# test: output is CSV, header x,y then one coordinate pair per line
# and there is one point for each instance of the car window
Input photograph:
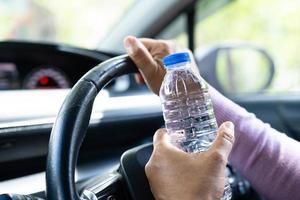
x,y
272,25
81,23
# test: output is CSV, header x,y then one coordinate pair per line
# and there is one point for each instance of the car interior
x,y
75,123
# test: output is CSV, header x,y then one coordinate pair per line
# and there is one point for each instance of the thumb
x,y
160,138
224,140
139,54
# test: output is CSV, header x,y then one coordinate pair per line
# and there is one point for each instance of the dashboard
x,y
28,105
28,72
25,65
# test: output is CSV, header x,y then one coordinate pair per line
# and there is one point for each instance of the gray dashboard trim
x,y
106,109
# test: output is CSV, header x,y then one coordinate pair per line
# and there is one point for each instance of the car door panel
x,y
281,112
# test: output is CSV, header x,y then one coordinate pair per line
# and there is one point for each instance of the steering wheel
x,y
68,132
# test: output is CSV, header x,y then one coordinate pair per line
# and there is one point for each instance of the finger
x,y
162,142
224,140
139,54
148,42
139,79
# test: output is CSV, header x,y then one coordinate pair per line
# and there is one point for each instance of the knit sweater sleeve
x,y
270,160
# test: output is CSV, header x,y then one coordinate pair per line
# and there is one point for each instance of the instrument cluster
x,y
37,77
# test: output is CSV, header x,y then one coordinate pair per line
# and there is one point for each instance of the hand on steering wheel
x,y
147,54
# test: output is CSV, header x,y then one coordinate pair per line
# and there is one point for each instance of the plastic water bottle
x,y
187,108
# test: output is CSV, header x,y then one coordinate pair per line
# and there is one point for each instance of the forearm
x,y
268,159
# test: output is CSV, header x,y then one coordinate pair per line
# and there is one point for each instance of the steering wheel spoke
x,y
104,187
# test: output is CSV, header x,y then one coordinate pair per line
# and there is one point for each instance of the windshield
x,y
80,23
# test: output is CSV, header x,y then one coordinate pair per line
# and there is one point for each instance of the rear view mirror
x,y
237,68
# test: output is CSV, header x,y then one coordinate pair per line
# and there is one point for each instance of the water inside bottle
x,y
188,113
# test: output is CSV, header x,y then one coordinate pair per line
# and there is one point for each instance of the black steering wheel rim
x,y
71,124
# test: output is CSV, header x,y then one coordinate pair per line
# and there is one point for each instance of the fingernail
x,y
128,46
132,44
229,125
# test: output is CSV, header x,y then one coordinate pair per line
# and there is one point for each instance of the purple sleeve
x,y
267,158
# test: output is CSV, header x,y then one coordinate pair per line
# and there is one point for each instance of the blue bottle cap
x,y
176,58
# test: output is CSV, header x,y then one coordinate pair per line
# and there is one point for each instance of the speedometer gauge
x,y
46,78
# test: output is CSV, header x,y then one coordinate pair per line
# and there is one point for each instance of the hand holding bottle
x,y
176,175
